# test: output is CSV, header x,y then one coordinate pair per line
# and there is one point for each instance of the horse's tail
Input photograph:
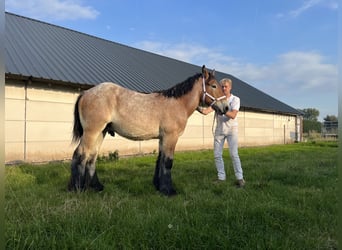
x,y
77,130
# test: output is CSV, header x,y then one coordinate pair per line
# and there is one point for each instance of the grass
x,y
289,202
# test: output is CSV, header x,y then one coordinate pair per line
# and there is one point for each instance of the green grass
x,y
289,202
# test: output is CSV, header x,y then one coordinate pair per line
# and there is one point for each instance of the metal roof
x,y
45,51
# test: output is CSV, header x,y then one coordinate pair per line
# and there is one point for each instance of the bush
x,y
312,126
112,156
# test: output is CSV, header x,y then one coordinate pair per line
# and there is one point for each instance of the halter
x,y
205,93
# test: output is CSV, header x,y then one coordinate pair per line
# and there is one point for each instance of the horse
x,y
110,108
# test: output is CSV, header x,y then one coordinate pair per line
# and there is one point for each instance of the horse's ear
x,y
205,72
213,72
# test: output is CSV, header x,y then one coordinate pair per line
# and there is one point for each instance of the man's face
x,y
226,88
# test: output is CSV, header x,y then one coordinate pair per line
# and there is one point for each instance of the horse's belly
x,y
138,132
139,137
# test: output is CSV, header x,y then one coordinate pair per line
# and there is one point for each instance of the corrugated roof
x,y
41,50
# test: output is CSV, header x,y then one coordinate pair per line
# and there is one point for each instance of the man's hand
x,y
200,109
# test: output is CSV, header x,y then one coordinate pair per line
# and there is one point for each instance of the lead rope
x,y
212,126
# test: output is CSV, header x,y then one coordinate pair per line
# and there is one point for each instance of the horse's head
x,y
212,92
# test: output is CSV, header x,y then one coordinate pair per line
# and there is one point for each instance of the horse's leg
x,y
162,176
78,163
91,179
83,173
156,171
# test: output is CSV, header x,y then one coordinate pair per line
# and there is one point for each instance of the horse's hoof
x,y
168,191
75,188
98,188
172,193
72,188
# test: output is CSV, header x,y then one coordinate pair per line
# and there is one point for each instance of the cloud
x,y
292,71
307,5
301,79
306,70
52,9
181,51
192,53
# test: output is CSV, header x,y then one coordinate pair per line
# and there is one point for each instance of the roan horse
x,y
109,108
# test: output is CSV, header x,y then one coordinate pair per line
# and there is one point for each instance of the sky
x,y
285,48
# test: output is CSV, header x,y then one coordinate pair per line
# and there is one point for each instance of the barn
x,y
47,66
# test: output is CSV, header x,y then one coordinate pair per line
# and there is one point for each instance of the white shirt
x,y
224,122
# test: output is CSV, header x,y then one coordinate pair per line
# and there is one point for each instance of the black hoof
x,y
98,188
168,191
75,189
72,187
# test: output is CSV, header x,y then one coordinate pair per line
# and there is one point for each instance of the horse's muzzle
x,y
221,107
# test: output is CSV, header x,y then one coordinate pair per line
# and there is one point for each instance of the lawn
x,y
289,202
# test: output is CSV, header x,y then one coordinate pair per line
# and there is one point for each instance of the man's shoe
x,y
240,183
216,181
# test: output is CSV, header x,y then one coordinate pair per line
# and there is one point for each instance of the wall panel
x,y
39,127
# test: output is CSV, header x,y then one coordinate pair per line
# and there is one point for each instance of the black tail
x,y
77,131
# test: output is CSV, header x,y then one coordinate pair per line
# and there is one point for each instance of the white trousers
x,y
232,138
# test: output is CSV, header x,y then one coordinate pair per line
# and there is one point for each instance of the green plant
x,y
112,156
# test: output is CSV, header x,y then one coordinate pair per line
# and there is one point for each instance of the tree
x,y
330,118
312,126
310,114
310,120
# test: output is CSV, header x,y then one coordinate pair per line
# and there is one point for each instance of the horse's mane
x,y
180,89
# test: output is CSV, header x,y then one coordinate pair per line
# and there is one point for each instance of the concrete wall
x,y
39,116
38,121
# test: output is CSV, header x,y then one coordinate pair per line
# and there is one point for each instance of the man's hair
x,y
226,80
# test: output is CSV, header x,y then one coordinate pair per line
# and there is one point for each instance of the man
x,y
227,129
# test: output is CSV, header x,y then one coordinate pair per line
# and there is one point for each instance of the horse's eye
x,y
213,86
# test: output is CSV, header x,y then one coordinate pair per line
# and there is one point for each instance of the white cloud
x,y
52,9
294,73
293,77
303,71
307,5
191,53
294,69
182,51
307,70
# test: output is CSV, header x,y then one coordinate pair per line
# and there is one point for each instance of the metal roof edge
x,y
272,111
82,86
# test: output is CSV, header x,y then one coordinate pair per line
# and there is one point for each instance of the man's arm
x,y
205,111
232,114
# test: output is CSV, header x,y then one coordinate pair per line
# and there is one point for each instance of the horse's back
x,y
95,104
131,114
102,89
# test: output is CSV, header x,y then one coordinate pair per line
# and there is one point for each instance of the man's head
x,y
226,85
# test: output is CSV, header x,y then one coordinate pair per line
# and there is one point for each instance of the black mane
x,y
180,89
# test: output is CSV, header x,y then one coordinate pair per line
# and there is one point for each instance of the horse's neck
x,y
191,99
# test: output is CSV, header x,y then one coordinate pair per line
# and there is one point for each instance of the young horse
x,y
110,108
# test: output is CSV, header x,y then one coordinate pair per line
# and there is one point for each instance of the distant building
x,y
330,129
47,66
